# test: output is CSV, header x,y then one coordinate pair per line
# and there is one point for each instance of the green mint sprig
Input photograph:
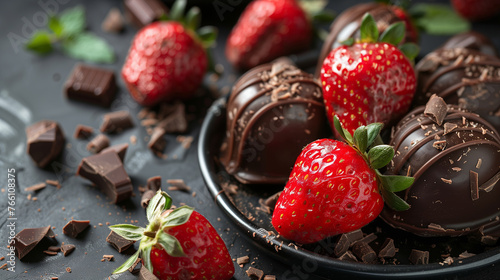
x,y
67,34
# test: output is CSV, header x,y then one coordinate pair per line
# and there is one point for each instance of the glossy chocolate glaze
x,y
473,41
347,24
274,110
445,199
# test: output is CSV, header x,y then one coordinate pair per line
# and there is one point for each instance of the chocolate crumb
x,y
436,109
67,249
178,185
465,254
447,181
97,144
474,184
113,22
119,243
419,257
270,277
242,260
478,164
50,253
255,273
75,227
83,131
230,189
54,183
68,269
35,187
54,249
108,257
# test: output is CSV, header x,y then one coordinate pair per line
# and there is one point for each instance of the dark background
x,y
31,90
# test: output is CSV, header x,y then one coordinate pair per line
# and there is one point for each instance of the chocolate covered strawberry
x,y
335,187
477,10
370,80
177,244
167,59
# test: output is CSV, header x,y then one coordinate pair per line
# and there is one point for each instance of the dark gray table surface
x,y
31,90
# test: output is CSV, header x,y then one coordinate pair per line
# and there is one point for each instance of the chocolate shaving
x,y
388,249
489,240
436,227
35,187
146,197
436,109
254,272
83,131
419,257
97,144
119,243
449,127
270,277
465,255
474,184
364,252
54,183
178,185
154,183
50,253
136,267
145,274
75,227
116,122
28,238
108,257
490,184
440,145
113,22
54,249
447,181
157,143
230,189
478,164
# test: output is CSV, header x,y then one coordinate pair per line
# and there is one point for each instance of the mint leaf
x,y
40,42
127,264
129,232
73,20
379,156
89,47
170,244
55,25
368,30
393,34
438,19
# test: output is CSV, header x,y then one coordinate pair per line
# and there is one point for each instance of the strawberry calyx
x,y
160,218
367,142
393,35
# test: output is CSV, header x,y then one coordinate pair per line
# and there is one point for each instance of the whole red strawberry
x,y
334,187
177,244
369,81
166,60
476,10
266,30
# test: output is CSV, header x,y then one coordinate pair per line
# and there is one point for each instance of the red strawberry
x,y
166,61
266,30
369,81
476,10
177,244
411,28
334,187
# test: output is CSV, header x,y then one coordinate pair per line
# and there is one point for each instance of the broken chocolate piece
x,y
146,197
364,252
119,243
388,249
348,256
419,257
145,274
255,273
436,109
28,238
243,260
45,141
50,253
113,22
465,254
116,122
270,277
178,185
54,249
120,150
91,84
108,257
175,121
157,143
144,12
474,184
341,246
449,127
75,227
83,131
67,249
154,183
136,267
97,144
35,187
107,172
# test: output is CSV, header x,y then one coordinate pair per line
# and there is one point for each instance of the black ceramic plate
x,y
243,209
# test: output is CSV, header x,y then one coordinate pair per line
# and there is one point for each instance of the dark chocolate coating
x,y
461,76
273,112
442,197
347,25
45,141
473,41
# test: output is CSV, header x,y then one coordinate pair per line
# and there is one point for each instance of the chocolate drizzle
x,y
444,199
272,108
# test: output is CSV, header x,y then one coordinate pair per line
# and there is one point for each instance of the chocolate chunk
x,y
28,238
119,149
388,249
144,12
243,260
35,187
119,243
436,109
255,273
83,131
175,121
364,252
91,84
145,274
341,246
113,22
136,267
107,172
97,144
116,122
146,197
348,256
154,183
75,227
157,143
474,184
67,249
45,141
419,257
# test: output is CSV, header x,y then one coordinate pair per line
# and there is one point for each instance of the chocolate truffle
x,y
347,25
45,141
462,75
274,110
456,166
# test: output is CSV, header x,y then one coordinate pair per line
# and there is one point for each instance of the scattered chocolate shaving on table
x,y
419,257
119,149
144,12
119,243
364,252
157,143
145,274
67,249
154,183
388,249
255,273
136,267
75,227
107,172
178,185
45,141
242,260
50,253
270,277
83,131
54,183
229,188
474,184
108,257
68,269
28,238
3,266
91,84
113,22
54,249
185,141
35,187
116,122
436,109
146,197
97,144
